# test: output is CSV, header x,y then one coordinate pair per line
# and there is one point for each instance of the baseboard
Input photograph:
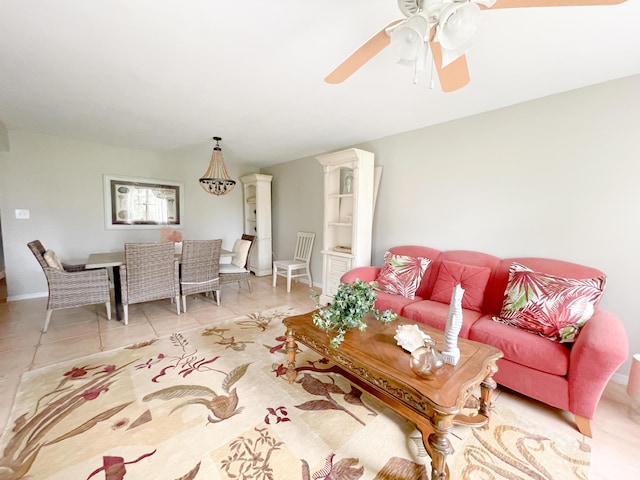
x,y
27,296
620,378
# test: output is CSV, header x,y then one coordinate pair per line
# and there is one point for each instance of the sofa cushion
x,y
522,347
52,260
473,280
401,274
551,306
397,303
435,314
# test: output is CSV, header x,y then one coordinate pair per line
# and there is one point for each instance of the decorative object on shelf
x,y
216,180
410,337
350,304
347,186
451,352
426,360
633,388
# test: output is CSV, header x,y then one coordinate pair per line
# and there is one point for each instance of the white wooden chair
x,y
299,266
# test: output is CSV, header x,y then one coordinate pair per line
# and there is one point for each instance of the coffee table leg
x,y
487,387
440,446
291,357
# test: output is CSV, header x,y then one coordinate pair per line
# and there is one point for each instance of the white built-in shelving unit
x,y
348,215
257,220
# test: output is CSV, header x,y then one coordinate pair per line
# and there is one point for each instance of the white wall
x,y
60,182
555,177
296,204
4,138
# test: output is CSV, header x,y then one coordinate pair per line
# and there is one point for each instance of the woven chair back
x,y
200,261
150,271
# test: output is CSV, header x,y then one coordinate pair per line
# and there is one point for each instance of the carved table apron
x,y
372,361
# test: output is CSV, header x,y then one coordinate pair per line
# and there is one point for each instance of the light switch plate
x,y
22,214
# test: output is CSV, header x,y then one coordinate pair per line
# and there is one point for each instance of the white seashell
x,y
410,337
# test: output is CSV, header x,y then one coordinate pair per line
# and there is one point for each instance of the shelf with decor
x,y
257,221
348,215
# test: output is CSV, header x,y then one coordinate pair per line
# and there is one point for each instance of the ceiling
x,y
166,75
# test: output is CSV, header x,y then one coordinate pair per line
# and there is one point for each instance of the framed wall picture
x,y
132,202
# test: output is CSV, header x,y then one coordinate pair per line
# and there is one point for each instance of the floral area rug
x,y
214,403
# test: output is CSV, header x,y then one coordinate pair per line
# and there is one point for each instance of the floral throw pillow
x,y
553,307
401,274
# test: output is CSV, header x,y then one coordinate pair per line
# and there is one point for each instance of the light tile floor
x,y
82,331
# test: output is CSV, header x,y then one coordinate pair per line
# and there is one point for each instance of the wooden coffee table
x,y
373,361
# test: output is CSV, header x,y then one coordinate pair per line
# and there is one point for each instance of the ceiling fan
x,y
444,28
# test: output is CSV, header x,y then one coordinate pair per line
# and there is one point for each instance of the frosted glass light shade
x,y
458,24
408,38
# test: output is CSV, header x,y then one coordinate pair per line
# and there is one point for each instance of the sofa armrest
x,y
600,348
366,274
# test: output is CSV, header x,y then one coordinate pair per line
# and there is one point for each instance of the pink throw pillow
x,y
401,274
472,278
553,307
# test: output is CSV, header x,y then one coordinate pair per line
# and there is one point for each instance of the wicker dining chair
x,y
199,269
238,269
150,272
71,285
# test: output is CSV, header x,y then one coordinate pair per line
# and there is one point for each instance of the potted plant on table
x,y
350,304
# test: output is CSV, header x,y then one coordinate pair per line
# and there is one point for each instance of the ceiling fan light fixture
x,y
458,24
408,37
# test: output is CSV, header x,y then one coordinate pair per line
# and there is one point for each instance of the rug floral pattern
x,y
214,403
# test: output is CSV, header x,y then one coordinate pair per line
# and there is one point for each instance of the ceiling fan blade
x,y
455,75
361,56
549,3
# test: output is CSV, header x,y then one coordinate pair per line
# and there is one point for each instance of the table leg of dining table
x,y
117,293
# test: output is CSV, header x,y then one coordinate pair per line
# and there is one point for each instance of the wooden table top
x,y
375,358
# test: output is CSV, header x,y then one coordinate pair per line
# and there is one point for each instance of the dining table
x,y
113,260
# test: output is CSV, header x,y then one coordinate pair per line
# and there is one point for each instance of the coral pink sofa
x,y
569,376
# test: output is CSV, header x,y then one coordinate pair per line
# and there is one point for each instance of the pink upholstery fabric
x,y
580,371
545,387
473,280
520,346
601,347
366,274
397,303
401,274
434,314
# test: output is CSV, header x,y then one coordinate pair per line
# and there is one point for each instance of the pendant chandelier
x,y
216,180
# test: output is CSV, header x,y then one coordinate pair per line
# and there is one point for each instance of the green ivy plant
x,y
350,304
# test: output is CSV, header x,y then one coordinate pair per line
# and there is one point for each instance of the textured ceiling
x,y
170,74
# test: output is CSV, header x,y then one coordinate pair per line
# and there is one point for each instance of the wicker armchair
x,y
199,270
73,286
150,272
230,273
